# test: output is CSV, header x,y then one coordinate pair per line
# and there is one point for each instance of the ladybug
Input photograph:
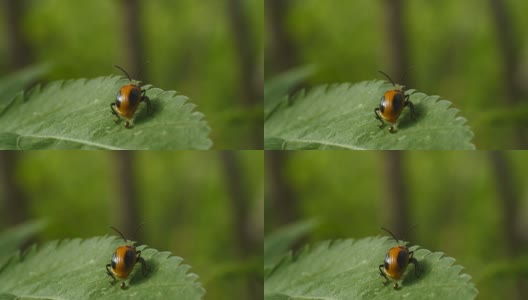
x,y
392,104
396,262
123,262
128,99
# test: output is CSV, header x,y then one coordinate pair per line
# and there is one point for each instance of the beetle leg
x,y
141,260
414,261
376,112
391,129
127,124
411,106
114,112
110,274
383,274
147,100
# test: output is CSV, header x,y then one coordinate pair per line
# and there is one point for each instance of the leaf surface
x,y
279,242
348,269
75,269
14,83
280,86
13,238
341,116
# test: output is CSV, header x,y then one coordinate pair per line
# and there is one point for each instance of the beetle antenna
x,y
396,239
139,73
119,233
403,77
139,227
123,70
387,77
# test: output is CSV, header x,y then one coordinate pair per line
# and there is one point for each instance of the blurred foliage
x,y
281,241
189,44
452,45
453,199
277,88
11,85
15,237
183,199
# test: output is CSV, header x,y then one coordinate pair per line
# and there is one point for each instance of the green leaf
x,y
75,269
348,269
277,244
75,114
14,83
280,86
341,116
13,238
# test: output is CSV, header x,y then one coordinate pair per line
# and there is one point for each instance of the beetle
x,y
392,104
128,99
123,261
396,262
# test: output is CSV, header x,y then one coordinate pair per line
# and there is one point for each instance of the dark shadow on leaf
x,y
411,278
143,116
405,118
138,277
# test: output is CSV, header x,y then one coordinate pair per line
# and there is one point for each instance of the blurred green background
x,y
472,53
471,206
209,50
206,207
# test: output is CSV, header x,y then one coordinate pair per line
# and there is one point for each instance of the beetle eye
x,y
114,261
382,104
119,99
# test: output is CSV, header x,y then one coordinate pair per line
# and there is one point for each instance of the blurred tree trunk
x,y
509,200
396,197
127,202
397,39
283,201
248,244
250,87
18,49
396,202
133,46
508,43
129,219
282,52
15,203
283,56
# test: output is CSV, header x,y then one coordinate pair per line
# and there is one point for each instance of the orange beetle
x,y
123,262
128,99
392,104
396,262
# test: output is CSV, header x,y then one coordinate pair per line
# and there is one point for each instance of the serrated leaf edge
x,y
291,99
292,257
